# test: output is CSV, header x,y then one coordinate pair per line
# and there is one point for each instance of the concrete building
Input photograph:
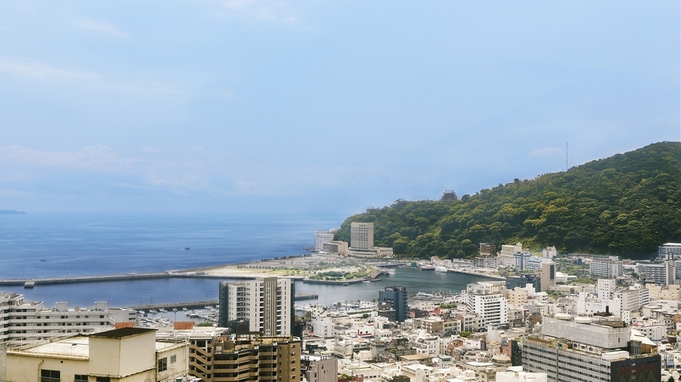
x,y
588,350
486,299
659,292
522,280
658,273
125,355
361,236
336,248
669,250
245,357
610,267
549,253
323,237
516,374
319,368
395,298
24,322
547,275
362,242
266,303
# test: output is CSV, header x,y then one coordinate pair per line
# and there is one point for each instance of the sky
x,y
314,106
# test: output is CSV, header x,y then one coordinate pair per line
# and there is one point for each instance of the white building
x,y
122,355
610,267
549,253
267,304
516,374
487,300
23,322
323,237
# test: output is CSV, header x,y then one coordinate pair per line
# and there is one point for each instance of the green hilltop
x,y
624,205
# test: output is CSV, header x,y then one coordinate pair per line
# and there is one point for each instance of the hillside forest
x,y
625,205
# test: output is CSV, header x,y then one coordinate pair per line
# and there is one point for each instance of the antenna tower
x,y
566,156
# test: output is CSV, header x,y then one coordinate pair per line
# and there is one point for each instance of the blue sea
x,y
62,245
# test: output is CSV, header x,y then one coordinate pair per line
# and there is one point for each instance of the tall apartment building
x,y
610,267
245,357
323,237
487,300
547,274
266,303
395,298
361,236
24,322
589,349
658,273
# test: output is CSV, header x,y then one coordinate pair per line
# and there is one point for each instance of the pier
x,y
30,283
203,304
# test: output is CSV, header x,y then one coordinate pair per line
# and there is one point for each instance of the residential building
x,y
245,357
486,299
266,303
669,250
658,273
319,368
24,322
522,280
121,355
547,275
659,292
610,267
549,253
395,298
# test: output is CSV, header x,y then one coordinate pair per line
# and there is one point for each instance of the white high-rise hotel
x,y
267,304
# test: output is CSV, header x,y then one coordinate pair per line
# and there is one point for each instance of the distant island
x,y
12,212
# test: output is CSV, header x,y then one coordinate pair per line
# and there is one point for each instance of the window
x,y
50,375
163,364
80,378
173,359
103,379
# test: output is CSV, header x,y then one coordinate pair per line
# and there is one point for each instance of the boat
x,y
186,248
441,269
367,281
42,260
346,284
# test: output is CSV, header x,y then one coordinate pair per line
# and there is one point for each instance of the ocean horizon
x,y
63,245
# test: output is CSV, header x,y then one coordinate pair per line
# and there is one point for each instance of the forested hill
x,y
624,205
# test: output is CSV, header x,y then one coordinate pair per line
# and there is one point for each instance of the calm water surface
x,y
60,245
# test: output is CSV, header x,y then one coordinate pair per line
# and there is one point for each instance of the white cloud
x,y
546,151
35,69
261,9
89,157
198,149
100,27
27,68
151,150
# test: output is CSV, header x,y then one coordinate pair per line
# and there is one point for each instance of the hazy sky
x,y
319,106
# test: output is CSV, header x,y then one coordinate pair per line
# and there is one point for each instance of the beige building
x,y
669,292
517,296
120,355
245,357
